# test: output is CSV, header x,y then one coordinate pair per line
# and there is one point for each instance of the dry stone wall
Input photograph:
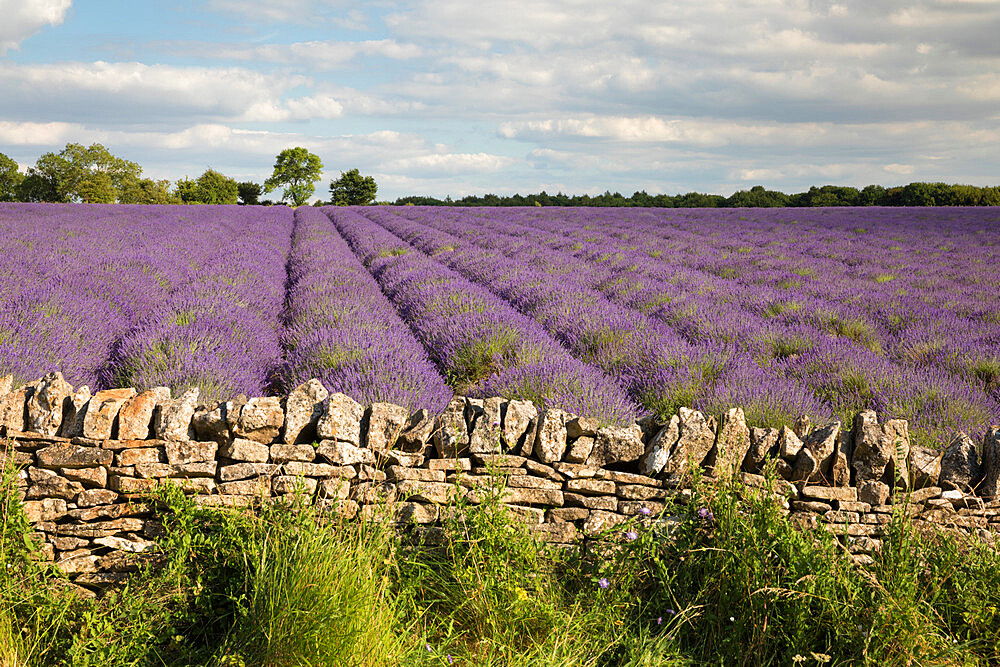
x,y
85,464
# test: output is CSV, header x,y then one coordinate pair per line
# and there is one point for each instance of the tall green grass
x,y
721,577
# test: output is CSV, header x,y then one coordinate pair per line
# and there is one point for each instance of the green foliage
x,y
475,361
296,169
148,191
757,197
249,193
81,173
10,178
209,188
914,194
353,189
719,576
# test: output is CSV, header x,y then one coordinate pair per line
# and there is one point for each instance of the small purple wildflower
x,y
671,612
645,511
631,535
603,582
450,661
659,620
705,513
428,648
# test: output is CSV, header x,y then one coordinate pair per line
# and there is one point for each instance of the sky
x,y
452,97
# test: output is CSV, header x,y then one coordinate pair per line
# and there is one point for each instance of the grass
x,y
720,577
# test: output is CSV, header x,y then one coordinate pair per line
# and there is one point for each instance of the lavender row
x,y
857,347
482,345
340,328
831,348
661,370
80,278
218,329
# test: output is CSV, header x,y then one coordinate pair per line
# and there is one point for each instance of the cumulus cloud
x,y
588,95
318,54
132,91
450,163
23,19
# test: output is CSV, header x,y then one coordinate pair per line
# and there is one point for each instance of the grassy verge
x,y
720,578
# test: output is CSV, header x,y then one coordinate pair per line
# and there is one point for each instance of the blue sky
x,y
452,97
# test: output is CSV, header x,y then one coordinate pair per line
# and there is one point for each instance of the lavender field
x,y
605,312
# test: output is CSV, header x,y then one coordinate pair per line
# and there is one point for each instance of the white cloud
x,y
22,19
635,94
318,54
450,163
135,89
336,12
36,134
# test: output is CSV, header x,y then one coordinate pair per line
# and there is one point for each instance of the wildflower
x,y
603,582
671,612
428,648
732,620
705,513
645,511
659,620
631,535
450,661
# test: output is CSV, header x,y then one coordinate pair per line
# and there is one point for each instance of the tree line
x,y
92,174
914,194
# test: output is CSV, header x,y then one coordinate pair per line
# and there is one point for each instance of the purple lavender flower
x,y
705,513
631,535
603,582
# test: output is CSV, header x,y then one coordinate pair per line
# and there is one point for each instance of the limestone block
x,y
261,420
173,418
245,450
990,484
657,452
519,422
550,439
341,420
732,444
76,413
763,443
135,418
102,410
385,423
13,409
960,467
451,437
47,404
66,455
303,408
617,444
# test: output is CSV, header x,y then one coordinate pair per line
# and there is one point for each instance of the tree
x,y
353,189
84,173
148,191
209,188
36,188
97,188
296,169
10,178
250,193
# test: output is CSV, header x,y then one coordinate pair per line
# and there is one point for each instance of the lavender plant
x,y
340,328
481,344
